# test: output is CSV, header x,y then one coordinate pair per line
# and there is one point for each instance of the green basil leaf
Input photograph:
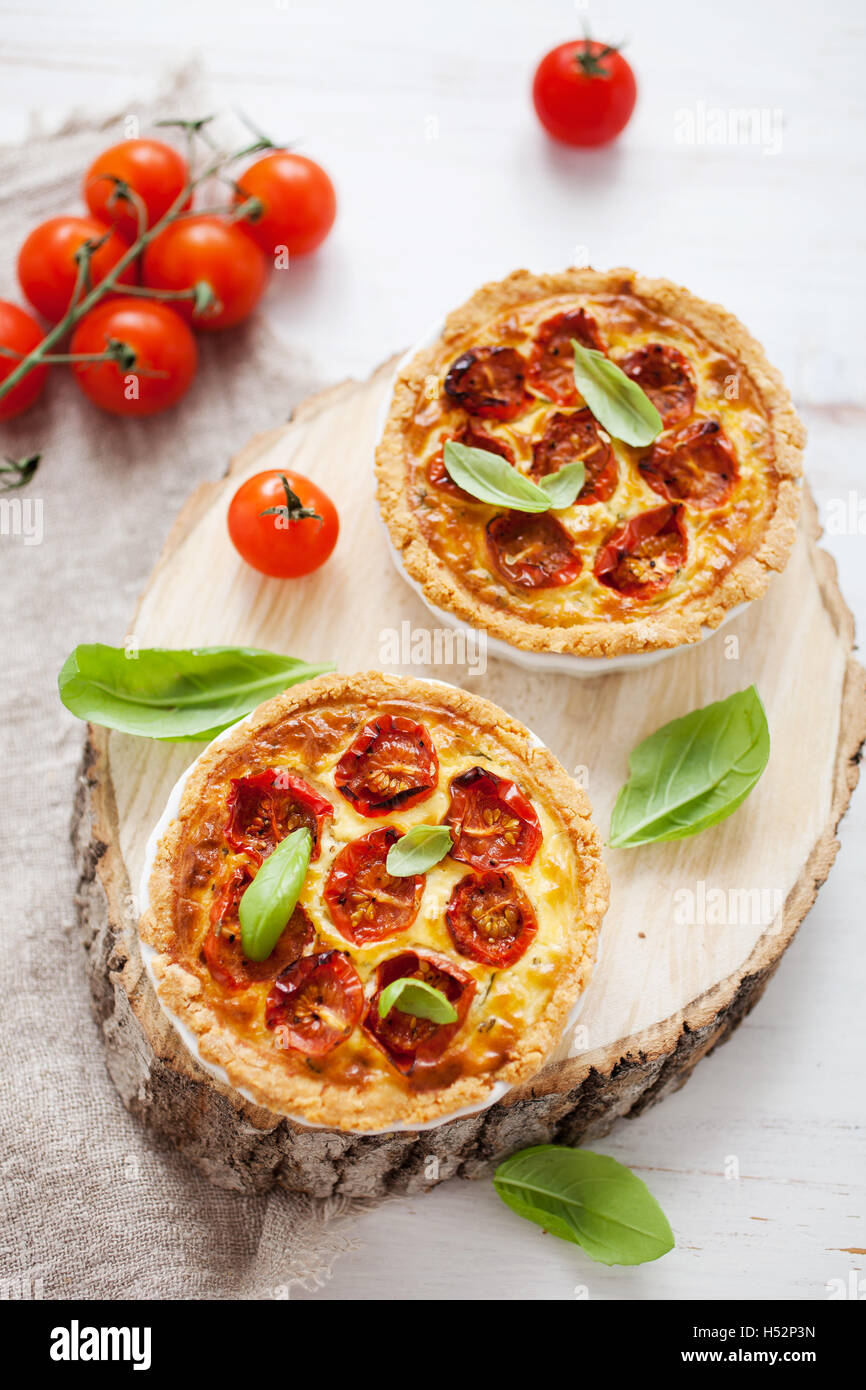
x,y
617,402
692,773
175,695
418,850
417,998
492,479
563,487
586,1198
268,903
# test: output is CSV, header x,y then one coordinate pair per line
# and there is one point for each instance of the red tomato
x,y
391,766
489,382
46,262
316,1003
268,806
408,1041
20,332
532,551
222,948
298,198
584,92
551,366
696,464
165,356
575,438
492,823
367,903
213,250
437,473
666,376
295,539
490,919
641,557
152,169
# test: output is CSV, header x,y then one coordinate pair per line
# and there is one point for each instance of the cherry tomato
x,y
492,823
47,268
576,438
292,540
641,557
408,1041
152,169
222,948
551,366
584,92
488,382
213,250
165,356
696,464
267,806
316,1003
490,919
367,903
299,202
532,551
665,375
20,332
438,475
391,766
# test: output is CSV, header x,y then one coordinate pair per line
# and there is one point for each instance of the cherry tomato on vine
x,y
584,92
213,250
298,199
47,267
282,524
153,170
20,332
165,352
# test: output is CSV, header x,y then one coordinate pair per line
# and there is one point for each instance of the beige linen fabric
x,y
92,1205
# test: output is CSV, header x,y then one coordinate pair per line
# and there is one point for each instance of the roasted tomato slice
x,y
492,823
488,382
367,903
642,556
438,475
408,1041
391,766
490,919
532,550
576,438
222,945
666,376
316,1003
266,807
696,464
551,366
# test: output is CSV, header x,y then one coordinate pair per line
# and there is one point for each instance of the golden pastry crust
x,y
517,1013
585,619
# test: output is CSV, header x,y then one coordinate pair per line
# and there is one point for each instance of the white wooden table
x,y
422,116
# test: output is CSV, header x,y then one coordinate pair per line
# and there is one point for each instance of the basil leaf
x,y
492,479
617,402
586,1198
563,487
417,998
266,906
174,695
693,772
418,850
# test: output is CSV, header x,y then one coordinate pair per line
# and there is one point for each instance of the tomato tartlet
x,y
504,926
663,540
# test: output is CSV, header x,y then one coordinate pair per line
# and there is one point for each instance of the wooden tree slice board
x,y
695,928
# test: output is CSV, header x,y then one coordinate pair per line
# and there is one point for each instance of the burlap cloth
x,y
93,1206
